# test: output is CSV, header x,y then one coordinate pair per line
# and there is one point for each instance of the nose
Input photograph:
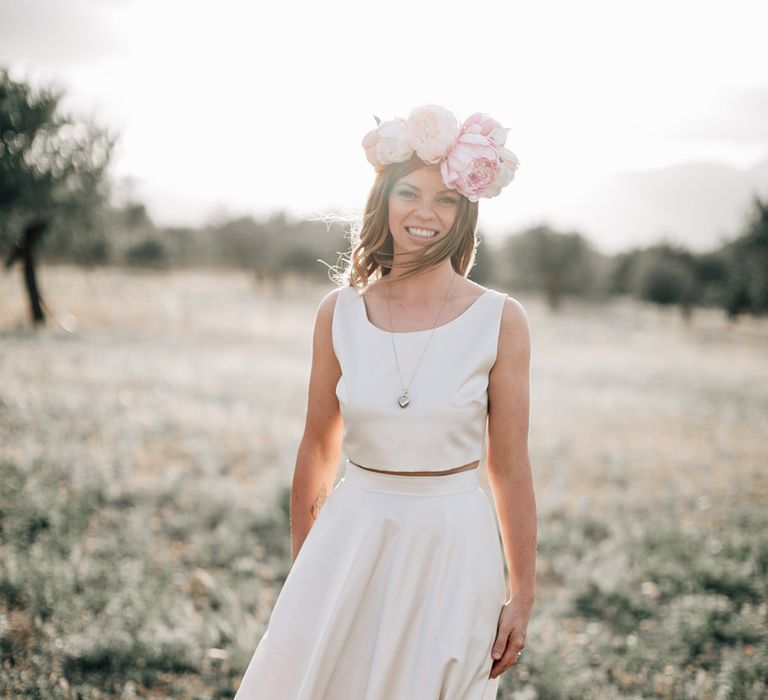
x,y
424,212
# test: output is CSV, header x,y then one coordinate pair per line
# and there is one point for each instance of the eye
x,y
405,193
449,200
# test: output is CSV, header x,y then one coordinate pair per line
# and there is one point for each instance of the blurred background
x,y
164,173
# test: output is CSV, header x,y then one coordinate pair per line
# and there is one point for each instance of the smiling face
x,y
421,209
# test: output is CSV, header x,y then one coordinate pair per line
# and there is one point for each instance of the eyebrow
x,y
417,189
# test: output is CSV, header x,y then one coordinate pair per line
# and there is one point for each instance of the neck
x,y
430,283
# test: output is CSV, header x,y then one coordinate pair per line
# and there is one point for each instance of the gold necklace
x,y
403,400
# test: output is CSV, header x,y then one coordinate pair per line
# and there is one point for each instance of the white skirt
x,y
395,595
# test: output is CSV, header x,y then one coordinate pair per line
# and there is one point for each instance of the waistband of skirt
x,y
435,485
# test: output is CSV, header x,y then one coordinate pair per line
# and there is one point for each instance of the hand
x,y
510,636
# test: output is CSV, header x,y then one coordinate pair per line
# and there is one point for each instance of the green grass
x,y
146,457
665,612
98,591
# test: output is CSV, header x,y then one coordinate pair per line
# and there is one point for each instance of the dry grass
x,y
147,438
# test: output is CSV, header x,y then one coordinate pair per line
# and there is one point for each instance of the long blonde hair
x,y
372,249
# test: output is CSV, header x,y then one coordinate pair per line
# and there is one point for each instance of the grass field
x,y
148,438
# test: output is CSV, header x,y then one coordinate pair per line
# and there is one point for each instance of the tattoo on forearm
x,y
318,504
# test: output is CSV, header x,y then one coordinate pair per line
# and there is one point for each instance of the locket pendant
x,y
403,401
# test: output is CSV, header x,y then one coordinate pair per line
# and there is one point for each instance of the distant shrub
x,y
663,280
147,253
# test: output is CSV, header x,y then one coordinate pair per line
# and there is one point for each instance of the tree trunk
x,y
24,251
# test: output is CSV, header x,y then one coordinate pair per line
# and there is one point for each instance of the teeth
x,y
421,233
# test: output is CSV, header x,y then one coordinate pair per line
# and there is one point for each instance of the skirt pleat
x,y
395,595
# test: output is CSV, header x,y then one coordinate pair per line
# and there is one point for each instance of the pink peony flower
x,y
393,145
509,165
370,140
432,130
485,125
471,166
472,156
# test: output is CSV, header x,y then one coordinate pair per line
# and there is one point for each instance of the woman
x,y
397,588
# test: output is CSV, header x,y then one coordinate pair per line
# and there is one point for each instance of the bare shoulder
x,y
323,353
323,333
514,314
515,332
328,304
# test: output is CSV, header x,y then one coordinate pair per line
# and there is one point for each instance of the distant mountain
x,y
696,204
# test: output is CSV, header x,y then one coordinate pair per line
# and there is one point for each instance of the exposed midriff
x,y
462,468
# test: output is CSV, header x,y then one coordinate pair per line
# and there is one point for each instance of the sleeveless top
x,y
444,425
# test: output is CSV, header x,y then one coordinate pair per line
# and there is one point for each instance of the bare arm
x,y
509,473
509,466
319,451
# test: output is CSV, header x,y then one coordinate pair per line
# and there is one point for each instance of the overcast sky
x,y
232,107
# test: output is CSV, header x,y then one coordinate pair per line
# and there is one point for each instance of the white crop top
x,y
444,425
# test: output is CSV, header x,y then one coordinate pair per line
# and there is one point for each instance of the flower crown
x,y
472,156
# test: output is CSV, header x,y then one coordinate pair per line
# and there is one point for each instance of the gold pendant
x,y
404,400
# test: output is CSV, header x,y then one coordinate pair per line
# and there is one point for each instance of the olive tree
x,y
53,180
